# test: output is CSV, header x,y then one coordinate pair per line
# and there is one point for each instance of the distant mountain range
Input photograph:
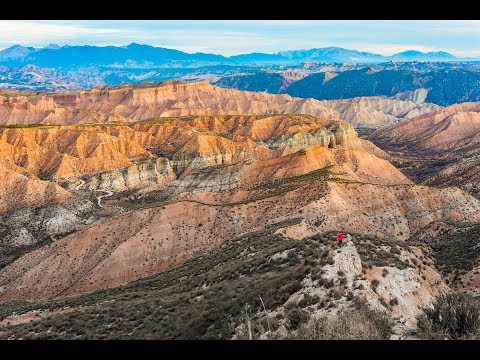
x,y
146,56
323,74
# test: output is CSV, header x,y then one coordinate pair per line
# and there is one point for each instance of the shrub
x,y
374,284
393,302
308,300
383,302
451,316
297,317
329,283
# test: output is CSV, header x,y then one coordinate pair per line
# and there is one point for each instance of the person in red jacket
x,y
340,238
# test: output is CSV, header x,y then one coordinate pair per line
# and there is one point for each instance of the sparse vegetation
x,y
206,298
20,126
202,299
372,252
393,302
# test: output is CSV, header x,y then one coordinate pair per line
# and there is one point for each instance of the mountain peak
x,y
415,55
136,45
52,46
17,47
410,52
15,52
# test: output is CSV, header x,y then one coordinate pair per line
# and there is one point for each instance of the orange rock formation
x,y
147,101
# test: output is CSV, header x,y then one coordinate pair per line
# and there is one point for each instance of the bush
x,y
393,302
308,300
452,316
297,317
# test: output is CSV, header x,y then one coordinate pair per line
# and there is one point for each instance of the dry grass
x,y
360,323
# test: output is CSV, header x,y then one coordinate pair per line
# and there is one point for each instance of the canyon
x,y
217,177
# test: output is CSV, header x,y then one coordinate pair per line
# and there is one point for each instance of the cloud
x,y
39,33
230,37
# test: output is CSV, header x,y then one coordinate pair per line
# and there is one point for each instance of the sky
x,y
231,37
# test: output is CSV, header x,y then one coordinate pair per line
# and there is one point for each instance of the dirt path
x,y
99,198
79,186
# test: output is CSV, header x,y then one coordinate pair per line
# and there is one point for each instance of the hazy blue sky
x,y
229,37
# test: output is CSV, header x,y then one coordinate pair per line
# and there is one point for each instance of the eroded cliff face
x,y
172,99
146,175
125,188
378,112
312,274
124,156
400,286
65,151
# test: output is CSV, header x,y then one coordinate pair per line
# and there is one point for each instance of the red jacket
x,y
339,236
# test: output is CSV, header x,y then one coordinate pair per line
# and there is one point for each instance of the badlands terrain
x,y
126,103
185,210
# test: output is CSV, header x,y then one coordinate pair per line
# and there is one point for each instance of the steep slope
x,y
20,189
455,249
64,151
186,185
432,82
450,129
149,101
263,81
377,112
451,134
